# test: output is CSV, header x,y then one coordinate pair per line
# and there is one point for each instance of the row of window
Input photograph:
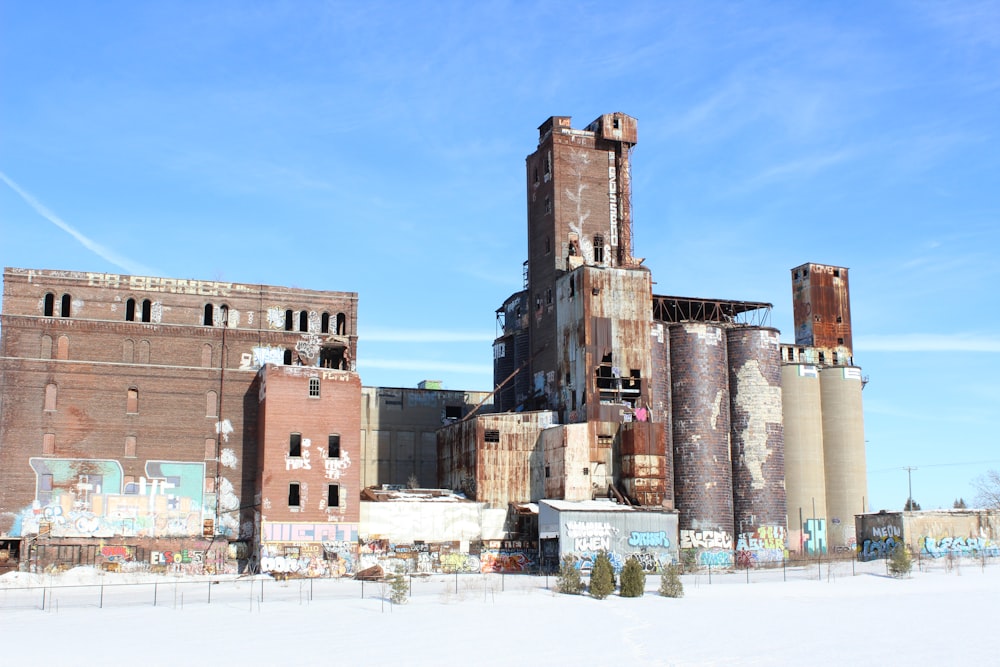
x,y
64,305
295,495
332,445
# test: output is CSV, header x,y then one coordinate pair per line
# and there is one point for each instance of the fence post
x,y
44,593
101,605
155,585
709,572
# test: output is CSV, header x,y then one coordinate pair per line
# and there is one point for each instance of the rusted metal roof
x,y
693,309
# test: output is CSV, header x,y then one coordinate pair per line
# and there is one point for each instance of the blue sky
x,y
379,148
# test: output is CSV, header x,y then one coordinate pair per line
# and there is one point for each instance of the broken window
x,y
331,357
836,273
303,321
313,387
130,310
295,444
333,495
64,310
324,326
288,320
572,287
208,321
147,310
822,358
341,324
50,304
548,206
132,401
293,495
453,412
333,446
598,249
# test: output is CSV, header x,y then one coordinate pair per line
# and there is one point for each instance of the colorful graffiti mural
x,y
90,498
815,531
707,548
940,547
767,544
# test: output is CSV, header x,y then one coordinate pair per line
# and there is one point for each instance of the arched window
x,y
62,348
288,320
50,304
132,401
288,358
208,315
143,351
211,404
206,355
130,310
64,310
46,347
324,326
147,310
224,315
303,321
128,351
50,397
341,324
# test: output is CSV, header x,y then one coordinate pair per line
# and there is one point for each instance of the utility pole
x,y
909,481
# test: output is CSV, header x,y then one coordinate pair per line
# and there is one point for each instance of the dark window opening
x,y
586,471
548,296
548,472
147,310
839,319
548,206
834,358
536,174
614,123
805,273
453,412
822,358
572,287
287,359
303,321
332,357
548,245
341,324
333,495
840,341
836,273
333,446
64,311
295,444
491,435
130,310
293,494
50,305
208,315
288,320
314,387
567,379
224,315
598,249
324,325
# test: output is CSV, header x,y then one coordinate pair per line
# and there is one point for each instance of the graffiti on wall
x,y
327,559
880,542
708,547
940,547
767,544
590,535
91,498
260,355
815,531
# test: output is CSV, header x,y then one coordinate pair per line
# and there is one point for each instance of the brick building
x,y
129,409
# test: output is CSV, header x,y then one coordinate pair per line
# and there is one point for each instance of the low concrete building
x,y
929,534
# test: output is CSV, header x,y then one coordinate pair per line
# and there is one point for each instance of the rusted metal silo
x,y
660,409
703,482
758,448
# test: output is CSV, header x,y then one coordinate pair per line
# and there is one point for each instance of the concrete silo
x,y
758,451
805,473
703,483
843,452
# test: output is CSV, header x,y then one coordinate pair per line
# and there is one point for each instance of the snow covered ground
x,y
852,613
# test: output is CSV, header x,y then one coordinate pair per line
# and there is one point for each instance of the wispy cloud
x,y
104,253
433,365
426,336
801,168
958,342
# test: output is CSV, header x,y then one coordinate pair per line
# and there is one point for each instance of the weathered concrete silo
x,y
660,409
758,451
843,452
703,482
805,473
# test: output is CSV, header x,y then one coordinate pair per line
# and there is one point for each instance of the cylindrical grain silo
x,y
703,473
843,452
758,445
805,474
660,409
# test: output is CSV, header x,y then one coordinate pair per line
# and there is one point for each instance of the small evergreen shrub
x,y
602,577
900,561
670,583
400,592
569,581
633,579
